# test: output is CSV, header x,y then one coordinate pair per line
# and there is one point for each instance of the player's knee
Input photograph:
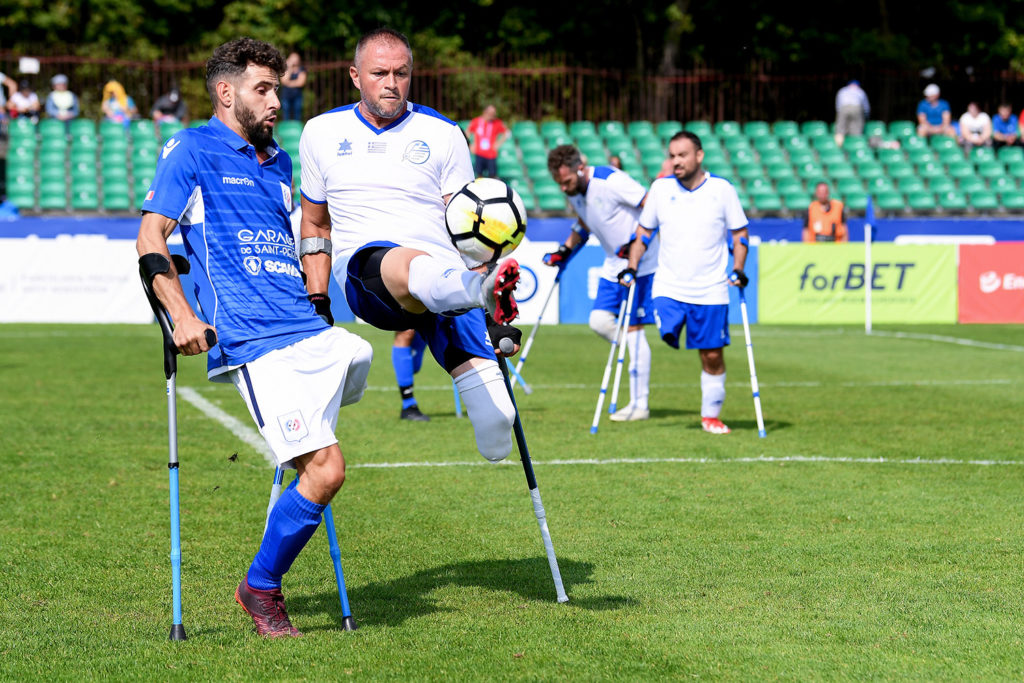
x,y
603,322
358,371
490,409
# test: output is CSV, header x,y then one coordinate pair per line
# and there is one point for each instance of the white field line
x,y
251,437
959,341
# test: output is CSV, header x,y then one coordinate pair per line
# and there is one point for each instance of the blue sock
x,y
401,359
418,345
292,522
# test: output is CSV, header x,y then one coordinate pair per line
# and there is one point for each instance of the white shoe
x,y
630,414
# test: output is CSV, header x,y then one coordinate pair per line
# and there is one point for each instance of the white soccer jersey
x,y
610,208
695,230
384,184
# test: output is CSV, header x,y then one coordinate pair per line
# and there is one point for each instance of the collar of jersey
x,y
221,130
375,129
684,188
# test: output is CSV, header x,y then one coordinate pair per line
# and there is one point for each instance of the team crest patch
x,y
417,152
344,148
286,195
293,426
253,264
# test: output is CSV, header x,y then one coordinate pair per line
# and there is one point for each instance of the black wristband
x,y
322,305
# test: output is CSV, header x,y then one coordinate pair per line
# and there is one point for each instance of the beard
x,y
255,130
378,110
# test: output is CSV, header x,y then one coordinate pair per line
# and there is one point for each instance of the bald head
x,y
385,37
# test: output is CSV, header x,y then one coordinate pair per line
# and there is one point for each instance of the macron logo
x,y
232,180
169,147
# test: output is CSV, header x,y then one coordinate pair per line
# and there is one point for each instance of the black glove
x,y
558,258
498,332
739,277
623,251
626,276
322,304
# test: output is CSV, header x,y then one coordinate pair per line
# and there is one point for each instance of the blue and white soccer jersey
x,y
695,228
384,187
610,209
233,212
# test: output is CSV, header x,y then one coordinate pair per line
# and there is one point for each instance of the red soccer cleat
x,y
498,286
713,425
267,610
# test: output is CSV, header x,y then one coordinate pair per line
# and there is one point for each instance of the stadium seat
x,y
941,142
559,139
551,202
22,196
831,155
953,201
983,200
908,184
1002,184
49,172
902,129
528,129
1008,154
607,129
914,142
874,129
846,186
796,202
991,169
858,155
114,144
856,201
51,128
667,129
779,171
737,142
917,156
1013,200
814,128
142,129
949,155
770,156
532,145
756,129
196,123
801,156
890,201
748,170
879,184
888,156
941,184
768,203
115,170
1015,169
728,129
840,170
79,127
785,129
960,169
921,201
979,154
742,155
289,128
766,143
21,127
83,169
110,128
52,157
583,127
510,169
85,141
790,185
85,198
53,195
639,128
116,196
852,142
758,185
971,183
899,169
23,167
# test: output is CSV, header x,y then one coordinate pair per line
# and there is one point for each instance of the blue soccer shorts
x,y
707,326
611,294
452,340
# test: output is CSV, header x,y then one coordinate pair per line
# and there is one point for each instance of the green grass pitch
x,y
876,533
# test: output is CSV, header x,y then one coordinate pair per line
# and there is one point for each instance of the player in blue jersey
x,y
376,176
227,185
608,203
696,216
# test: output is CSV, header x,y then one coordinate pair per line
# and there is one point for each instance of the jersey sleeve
x,y
649,214
313,186
458,168
735,218
625,189
175,180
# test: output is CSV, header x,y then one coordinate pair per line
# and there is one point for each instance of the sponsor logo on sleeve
x,y
169,147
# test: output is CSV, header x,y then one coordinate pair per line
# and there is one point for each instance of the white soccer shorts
x,y
294,393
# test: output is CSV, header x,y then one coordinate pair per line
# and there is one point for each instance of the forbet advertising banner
x,y
825,283
992,283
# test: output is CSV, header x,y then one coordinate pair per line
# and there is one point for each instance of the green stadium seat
x,y
950,155
742,155
83,169
745,201
52,128
899,169
110,129
991,169
856,201
784,129
902,129
756,129
528,129
888,156
21,127
983,200
914,142
53,195
851,142
507,152
832,155
547,202
870,169
636,129
814,128
85,198
845,186
114,144
52,157
289,129
142,129
953,201
650,144
78,155
918,156
840,171
921,201
144,157
196,123
1015,169
1003,183
979,154
714,156
559,139
79,127
801,156
114,171
748,170
23,168
85,141
22,196
532,145
908,184
879,184
971,183
796,201
1012,201
941,184
789,185
874,129
758,185
960,169
858,155
142,185
667,129
770,156
607,129
768,203
941,142
51,172
1008,154
510,169
529,201
578,128
779,171
728,129
737,142
116,196
54,143
890,201
766,143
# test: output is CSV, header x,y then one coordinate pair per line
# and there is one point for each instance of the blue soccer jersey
x,y
234,217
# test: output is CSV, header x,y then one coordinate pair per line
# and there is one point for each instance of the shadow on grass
x,y
393,602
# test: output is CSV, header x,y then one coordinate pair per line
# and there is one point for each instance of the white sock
x,y
443,288
639,368
490,410
712,394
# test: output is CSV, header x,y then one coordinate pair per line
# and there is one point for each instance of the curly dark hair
x,y
231,59
687,135
564,155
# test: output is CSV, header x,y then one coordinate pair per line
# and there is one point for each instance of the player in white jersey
x,y
695,215
608,203
376,176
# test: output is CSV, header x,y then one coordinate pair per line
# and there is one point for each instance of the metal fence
x,y
547,86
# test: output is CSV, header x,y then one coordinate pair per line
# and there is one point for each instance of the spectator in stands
x,y
933,114
1005,130
292,83
170,107
615,161
118,106
24,102
61,103
975,128
486,134
826,218
852,111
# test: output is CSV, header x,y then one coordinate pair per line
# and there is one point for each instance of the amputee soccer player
x,y
695,214
608,203
376,176
227,185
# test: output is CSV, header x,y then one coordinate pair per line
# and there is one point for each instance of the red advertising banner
x,y
992,283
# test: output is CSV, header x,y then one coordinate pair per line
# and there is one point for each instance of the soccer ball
x,y
486,220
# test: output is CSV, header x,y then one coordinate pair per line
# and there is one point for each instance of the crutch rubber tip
x,y
349,624
564,599
593,430
762,433
178,632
